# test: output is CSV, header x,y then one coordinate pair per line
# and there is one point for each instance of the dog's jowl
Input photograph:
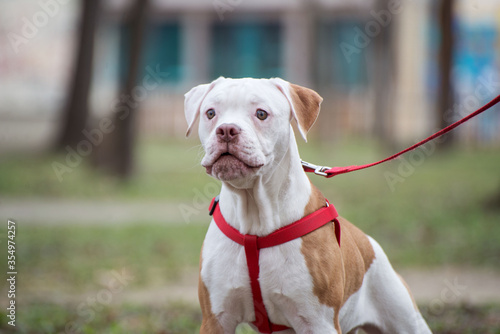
x,y
276,255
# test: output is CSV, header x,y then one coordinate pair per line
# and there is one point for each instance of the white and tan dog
x,y
309,284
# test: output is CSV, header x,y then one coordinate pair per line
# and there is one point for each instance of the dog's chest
x,y
285,281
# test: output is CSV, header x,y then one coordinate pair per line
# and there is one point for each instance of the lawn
x,y
183,319
426,210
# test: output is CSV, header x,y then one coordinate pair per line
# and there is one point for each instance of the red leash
x,y
330,172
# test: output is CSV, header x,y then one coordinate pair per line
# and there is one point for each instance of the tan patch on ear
x,y
409,292
337,273
209,323
306,103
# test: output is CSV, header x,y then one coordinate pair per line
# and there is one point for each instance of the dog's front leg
x,y
209,324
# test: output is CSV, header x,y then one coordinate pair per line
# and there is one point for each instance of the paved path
x,y
38,211
447,285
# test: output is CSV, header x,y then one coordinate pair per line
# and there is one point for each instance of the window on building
x,y
161,51
246,50
342,54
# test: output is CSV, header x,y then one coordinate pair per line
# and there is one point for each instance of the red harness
x,y
253,244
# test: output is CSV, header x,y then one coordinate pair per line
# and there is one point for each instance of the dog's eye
x,y
210,113
261,114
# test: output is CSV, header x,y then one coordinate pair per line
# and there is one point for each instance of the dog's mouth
x,y
227,156
229,166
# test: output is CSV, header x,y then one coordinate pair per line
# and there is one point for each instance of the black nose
x,y
228,132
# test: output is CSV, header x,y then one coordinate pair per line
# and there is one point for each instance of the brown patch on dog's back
x,y
357,255
337,273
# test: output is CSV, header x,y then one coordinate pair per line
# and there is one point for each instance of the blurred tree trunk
x,y
116,153
445,97
383,66
493,202
76,110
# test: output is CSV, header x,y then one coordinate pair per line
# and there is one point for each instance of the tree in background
x,y
115,155
493,202
76,110
383,78
445,97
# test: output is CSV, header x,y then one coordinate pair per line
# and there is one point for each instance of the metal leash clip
x,y
318,170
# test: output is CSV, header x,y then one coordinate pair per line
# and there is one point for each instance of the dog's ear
x,y
193,100
304,103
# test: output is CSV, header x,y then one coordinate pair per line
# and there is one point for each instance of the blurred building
x,y
374,62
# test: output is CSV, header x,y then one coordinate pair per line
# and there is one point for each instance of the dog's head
x,y
245,123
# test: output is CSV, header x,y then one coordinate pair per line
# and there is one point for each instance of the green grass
x,y
52,318
72,259
463,319
165,170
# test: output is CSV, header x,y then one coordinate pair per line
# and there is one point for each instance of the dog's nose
x,y
228,132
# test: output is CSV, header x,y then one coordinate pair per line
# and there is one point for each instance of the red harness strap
x,y
253,244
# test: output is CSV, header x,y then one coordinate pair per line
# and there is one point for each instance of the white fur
x,y
266,199
382,301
